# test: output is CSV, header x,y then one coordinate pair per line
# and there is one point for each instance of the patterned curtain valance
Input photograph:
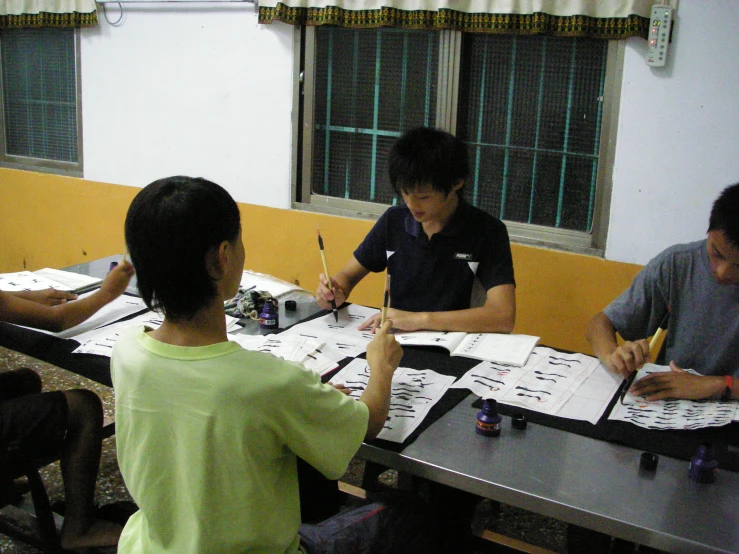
x,y
47,13
607,19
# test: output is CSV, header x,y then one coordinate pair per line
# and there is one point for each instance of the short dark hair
x,y
425,156
725,214
170,227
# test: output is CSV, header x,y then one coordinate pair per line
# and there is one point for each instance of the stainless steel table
x,y
576,479
591,483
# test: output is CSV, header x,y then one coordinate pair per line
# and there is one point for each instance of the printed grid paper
x,y
44,279
341,340
672,413
100,341
547,383
590,400
413,394
292,348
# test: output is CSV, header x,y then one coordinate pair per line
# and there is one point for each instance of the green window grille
x,y
39,93
530,113
529,108
371,86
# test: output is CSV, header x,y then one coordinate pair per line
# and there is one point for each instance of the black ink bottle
x,y
703,466
488,420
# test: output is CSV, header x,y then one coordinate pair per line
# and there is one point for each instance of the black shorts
x,y
32,426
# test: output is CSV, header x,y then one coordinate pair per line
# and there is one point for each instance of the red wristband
x,y
726,395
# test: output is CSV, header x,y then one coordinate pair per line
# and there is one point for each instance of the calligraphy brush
x,y
325,272
652,344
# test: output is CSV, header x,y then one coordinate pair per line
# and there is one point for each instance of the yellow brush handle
x,y
655,338
325,268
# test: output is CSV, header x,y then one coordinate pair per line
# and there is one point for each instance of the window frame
x,y
450,58
71,169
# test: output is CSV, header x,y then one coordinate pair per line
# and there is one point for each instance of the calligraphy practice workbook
x,y
46,278
672,413
413,394
547,381
340,338
499,348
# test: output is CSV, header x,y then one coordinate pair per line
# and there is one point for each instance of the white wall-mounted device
x,y
659,35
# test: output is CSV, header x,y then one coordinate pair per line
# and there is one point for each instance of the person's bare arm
x,y
342,284
50,297
21,311
383,356
498,315
623,359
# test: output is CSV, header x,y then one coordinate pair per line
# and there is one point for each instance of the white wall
x,y
194,89
678,134
201,89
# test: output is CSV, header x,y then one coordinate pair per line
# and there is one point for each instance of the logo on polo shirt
x,y
463,256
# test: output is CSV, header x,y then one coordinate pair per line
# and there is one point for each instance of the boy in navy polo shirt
x,y
438,249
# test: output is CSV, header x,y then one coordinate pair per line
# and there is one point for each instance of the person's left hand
x,y
677,383
403,321
49,297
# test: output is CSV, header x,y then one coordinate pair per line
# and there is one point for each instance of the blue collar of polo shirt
x,y
453,228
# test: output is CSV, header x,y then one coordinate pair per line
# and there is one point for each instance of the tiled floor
x,y
530,528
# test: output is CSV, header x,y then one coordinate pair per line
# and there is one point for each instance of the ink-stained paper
x,y
414,392
546,384
340,338
293,348
672,413
100,341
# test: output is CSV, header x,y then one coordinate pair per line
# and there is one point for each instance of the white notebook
x,y
490,347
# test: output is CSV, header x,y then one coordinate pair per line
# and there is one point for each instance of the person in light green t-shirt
x,y
207,432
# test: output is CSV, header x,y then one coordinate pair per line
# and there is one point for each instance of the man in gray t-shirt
x,y
696,287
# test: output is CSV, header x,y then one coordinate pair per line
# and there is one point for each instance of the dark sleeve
x,y
372,252
638,311
496,261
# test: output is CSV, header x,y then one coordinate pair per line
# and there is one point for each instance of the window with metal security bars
x,y
40,116
369,88
533,110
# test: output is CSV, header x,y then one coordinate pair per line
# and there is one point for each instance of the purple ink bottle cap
x,y
488,419
703,466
